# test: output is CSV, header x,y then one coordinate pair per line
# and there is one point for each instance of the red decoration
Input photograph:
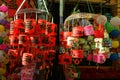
x,y
65,59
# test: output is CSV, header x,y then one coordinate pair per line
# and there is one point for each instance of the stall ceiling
x,y
107,2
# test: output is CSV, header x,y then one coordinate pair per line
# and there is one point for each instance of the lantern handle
x,y
19,9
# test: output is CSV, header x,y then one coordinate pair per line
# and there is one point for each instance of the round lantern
x,y
3,8
114,34
1,28
115,44
3,21
109,28
1,40
115,21
7,26
114,56
101,19
2,15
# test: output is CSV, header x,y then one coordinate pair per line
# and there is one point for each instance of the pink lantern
x,y
88,30
3,8
99,58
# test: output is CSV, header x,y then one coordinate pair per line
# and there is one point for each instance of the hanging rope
x,y
90,7
76,6
101,7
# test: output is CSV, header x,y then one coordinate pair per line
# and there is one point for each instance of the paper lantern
x,y
99,58
115,21
27,58
78,31
109,28
115,44
3,8
1,40
2,15
1,28
3,21
7,25
101,19
88,30
114,56
114,34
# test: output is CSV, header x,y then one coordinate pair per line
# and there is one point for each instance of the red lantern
x,y
29,28
23,39
65,59
78,31
13,54
27,58
40,55
66,35
90,57
51,29
13,40
99,33
42,26
48,41
77,53
19,23
35,40
63,43
50,55
13,29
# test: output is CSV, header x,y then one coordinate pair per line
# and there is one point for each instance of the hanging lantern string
x,y
101,6
76,6
45,6
20,6
90,7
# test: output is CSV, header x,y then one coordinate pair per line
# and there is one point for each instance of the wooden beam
x,y
112,2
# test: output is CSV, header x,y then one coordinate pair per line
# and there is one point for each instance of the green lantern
x,y
1,40
109,28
